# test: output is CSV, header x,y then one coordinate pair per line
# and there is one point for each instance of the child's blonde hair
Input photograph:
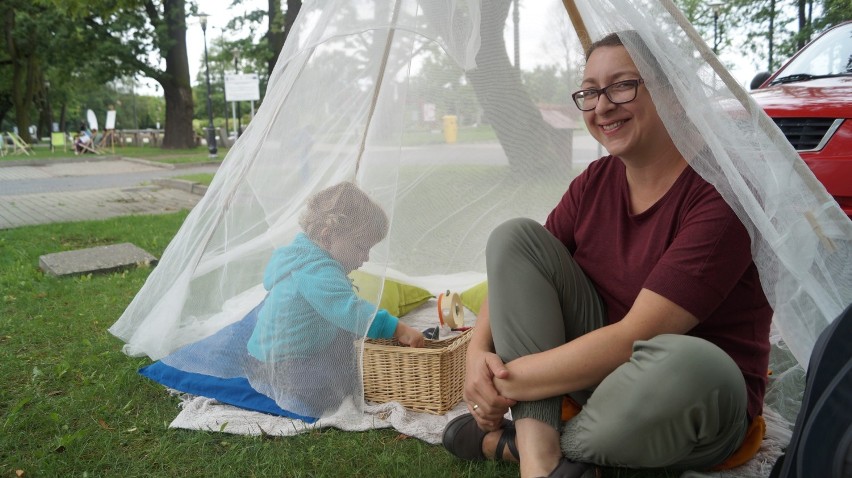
x,y
343,210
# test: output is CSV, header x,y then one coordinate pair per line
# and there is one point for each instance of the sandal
x,y
463,438
572,469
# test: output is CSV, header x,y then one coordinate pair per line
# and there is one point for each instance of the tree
x,y
136,35
496,74
28,31
278,27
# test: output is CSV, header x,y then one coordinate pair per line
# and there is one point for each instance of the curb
x,y
182,184
169,165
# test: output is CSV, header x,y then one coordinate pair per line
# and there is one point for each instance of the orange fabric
x,y
570,408
751,444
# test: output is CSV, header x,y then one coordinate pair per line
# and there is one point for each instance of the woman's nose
x,y
604,104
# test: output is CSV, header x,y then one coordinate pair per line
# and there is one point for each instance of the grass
x,y
73,405
201,178
173,156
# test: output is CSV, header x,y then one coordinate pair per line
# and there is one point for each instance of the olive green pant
x,y
679,401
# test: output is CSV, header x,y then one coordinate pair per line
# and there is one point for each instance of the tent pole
x,y
378,87
577,21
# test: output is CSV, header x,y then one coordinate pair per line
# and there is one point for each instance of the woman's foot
x,y
572,469
464,439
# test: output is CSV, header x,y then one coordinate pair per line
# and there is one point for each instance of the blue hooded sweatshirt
x,y
310,300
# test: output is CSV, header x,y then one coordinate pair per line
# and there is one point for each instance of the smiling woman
x,y
618,292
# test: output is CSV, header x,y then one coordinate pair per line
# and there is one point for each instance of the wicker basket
x,y
428,379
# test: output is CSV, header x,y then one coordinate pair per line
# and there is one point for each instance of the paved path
x,y
51,191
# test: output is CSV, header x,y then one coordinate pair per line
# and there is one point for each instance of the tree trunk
x,y
5,106
178,132
293,8
45,117
176,87
518,124
275,33
23,70
62,114
771,32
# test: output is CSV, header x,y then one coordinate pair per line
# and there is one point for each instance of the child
x,y
311,316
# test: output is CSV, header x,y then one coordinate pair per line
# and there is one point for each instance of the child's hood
x,y
293,256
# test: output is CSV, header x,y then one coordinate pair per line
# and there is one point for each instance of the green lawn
x,y
174,156
201,178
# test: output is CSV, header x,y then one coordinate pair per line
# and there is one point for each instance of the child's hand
x,y
409,335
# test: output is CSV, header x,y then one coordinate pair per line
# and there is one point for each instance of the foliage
x,y
548,85
139,36
43,62
227,57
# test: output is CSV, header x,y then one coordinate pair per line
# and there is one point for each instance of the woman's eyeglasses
x,y
617,93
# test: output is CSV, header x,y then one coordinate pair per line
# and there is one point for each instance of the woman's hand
x,y
483,400
408,335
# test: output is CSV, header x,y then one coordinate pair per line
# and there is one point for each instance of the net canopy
x,y
454,116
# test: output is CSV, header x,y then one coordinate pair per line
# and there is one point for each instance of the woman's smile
x,y
610,128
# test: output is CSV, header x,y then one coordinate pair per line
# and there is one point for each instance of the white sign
x,y
92,119
242,87
428,112
110,119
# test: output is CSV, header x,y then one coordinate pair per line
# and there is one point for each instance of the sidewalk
x,y
62,191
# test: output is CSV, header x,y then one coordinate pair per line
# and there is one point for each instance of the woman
x,y
638,299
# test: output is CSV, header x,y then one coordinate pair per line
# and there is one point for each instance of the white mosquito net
x,y
454,116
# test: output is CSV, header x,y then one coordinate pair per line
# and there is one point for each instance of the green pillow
x,y
397,298
473,297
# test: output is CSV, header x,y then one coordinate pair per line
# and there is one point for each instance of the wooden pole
x,y
577,21
377,89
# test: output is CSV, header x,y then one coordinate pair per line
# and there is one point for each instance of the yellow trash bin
x,y
451,129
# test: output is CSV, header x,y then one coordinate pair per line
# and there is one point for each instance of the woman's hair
x,y
633,37
610,40
343,210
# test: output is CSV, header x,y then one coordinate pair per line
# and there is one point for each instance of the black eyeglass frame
x,y
605,90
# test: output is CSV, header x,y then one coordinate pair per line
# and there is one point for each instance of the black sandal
x,y
572,469
463,438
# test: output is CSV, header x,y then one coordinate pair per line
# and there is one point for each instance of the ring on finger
x,y
475,407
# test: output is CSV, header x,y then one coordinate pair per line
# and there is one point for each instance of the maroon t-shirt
x,y
689,247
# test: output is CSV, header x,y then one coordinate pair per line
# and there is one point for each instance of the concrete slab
x,y
95,259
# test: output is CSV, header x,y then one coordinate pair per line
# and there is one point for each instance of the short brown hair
x,y
644,53
343,209
610,40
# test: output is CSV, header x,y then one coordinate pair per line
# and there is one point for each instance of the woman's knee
x,y
511,233
666,376
673,386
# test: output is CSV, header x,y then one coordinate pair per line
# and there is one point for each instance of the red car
x,y
810,99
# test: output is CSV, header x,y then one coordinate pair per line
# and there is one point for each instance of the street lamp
x,y
238,126
716,7
211,133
